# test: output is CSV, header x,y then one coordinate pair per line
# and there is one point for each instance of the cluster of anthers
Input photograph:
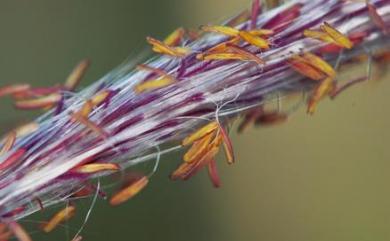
x,y
248,53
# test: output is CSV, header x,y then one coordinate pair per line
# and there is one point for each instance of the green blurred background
x,y
315,178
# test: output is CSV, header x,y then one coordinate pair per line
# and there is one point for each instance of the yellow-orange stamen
x,y
319,64
157,71
254,40
187,170
26,129
39,103
97,167
95,101
19,232
153,84
130,191
8,143
212,126
300,65
338,37
175,37
318,35
61,216
14,89
162,48
325,87
262,32
224,56
198,148
225,30
246,53
76,75
89,124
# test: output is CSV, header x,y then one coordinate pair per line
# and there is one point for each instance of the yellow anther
x,y
319,64
254,40
175,37
324,88
210,127
318,35
162,48
153,84
339,38
229,31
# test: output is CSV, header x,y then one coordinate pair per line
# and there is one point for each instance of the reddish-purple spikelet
x,y
12,159
283,19
256,10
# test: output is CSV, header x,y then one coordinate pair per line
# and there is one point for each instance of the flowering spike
x,y
210,127
175,37
153,84
213,173
42,164
227,146
61,216
225,30
8,142
14,89
96,167
162,48
38,103
376,18
76,75
254,40
130,191
338,37
325,87
19,232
